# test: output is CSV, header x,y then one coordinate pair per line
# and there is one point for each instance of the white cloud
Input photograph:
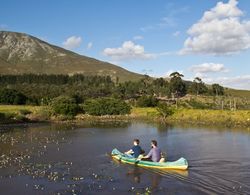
x,y
128,51
90,45
131,51
238,82
220,31
223,10
72,42
138,37
208,68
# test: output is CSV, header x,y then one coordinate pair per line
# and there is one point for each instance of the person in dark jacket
x,y
136,150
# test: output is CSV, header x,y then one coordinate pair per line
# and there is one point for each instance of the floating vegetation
x,y
38,187
24,154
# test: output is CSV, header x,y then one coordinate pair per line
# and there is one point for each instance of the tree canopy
x,y
41,89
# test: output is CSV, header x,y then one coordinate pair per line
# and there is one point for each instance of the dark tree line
x,y
41,89
54,79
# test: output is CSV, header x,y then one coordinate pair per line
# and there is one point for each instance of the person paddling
x,y
136,150
155,153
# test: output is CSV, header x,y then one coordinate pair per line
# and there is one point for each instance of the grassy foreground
x,y
194,116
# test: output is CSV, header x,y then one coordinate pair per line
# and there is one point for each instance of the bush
x,y
21,118
11,118
165,110
25,112
42,114
65,106
106,106
147,101
13,97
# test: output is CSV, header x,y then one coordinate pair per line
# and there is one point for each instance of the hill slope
x,y
238,93
21,53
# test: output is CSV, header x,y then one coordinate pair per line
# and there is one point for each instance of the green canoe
x,y
180,164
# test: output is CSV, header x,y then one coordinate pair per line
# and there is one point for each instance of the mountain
x,y
22,54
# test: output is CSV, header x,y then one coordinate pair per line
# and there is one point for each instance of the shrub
x,y
11,96
42,114
25,112
147,101
65,106
11,117
106,106
21,118
165,110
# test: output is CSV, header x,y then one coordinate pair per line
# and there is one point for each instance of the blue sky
x,y
209,38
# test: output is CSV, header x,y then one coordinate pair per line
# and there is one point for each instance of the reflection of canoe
x,y
180,164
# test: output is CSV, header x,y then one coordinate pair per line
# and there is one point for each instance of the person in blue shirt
x,y
136,150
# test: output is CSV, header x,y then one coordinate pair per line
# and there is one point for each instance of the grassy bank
x,y
212,117
199,116
23,113
239,118
192,116
18,108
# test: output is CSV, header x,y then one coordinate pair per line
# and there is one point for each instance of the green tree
x,y
177,85
147,101
12,96
160,87
165,110
198,87
106,106
65,106
217,89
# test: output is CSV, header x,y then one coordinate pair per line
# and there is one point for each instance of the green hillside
x,y
21,53
237,93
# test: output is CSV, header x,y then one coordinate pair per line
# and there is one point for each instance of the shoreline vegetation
x,y
12,114
79,98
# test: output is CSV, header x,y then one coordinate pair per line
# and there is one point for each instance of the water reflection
x,y
135,174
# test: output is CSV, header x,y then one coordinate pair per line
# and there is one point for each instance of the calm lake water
x,y
74,159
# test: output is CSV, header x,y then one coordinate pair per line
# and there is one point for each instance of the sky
x,y
209,39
